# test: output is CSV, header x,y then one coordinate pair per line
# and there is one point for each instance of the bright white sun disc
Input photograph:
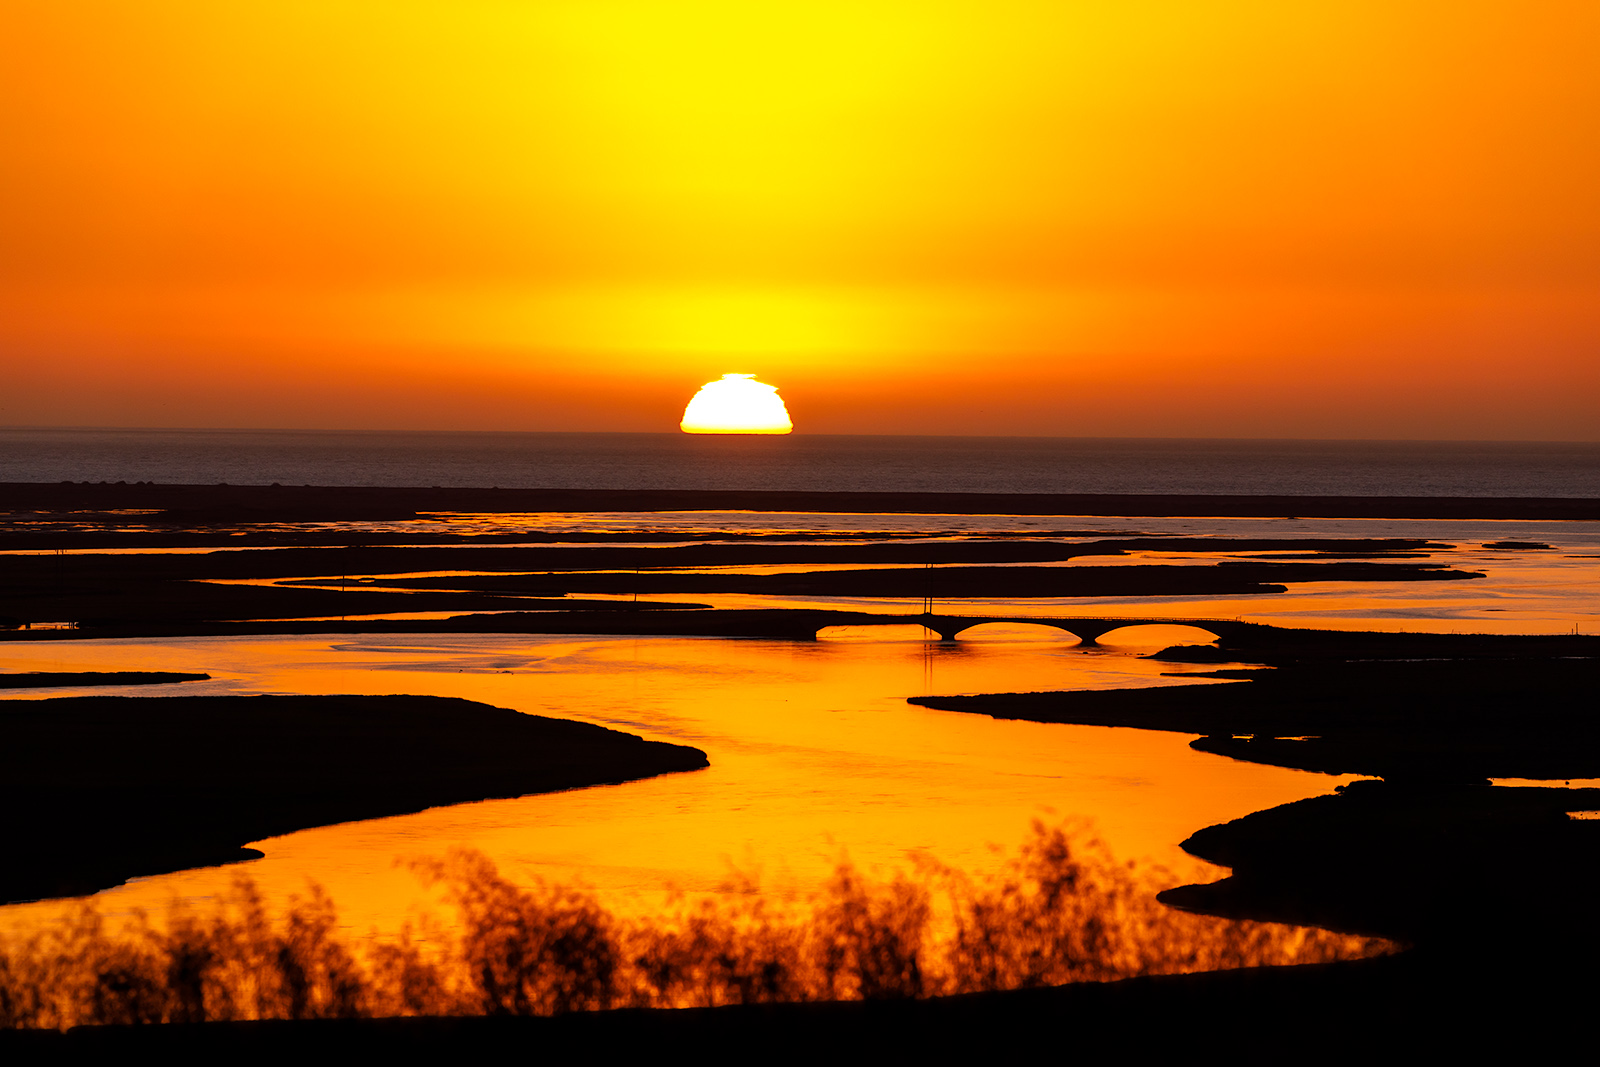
x,y
736,404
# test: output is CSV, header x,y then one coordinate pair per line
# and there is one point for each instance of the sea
x,y
802,462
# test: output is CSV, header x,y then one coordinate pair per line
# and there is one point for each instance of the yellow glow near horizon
x,y
736,404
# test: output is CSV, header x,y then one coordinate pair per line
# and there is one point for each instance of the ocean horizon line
x,y
797,434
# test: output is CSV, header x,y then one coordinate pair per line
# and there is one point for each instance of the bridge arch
x,y
1131,632
1143,634
910,631
999,630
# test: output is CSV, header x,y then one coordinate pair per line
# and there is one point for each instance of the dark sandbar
x,y
1011,582
102,789
1461,720
63,679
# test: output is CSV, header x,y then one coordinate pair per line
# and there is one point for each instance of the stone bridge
x,y
1088,629
798,624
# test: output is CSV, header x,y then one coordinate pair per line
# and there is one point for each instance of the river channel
x,y
814,753
814,756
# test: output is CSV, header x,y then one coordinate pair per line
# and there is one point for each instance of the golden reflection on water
x,y
814,753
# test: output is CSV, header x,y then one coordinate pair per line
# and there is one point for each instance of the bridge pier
x,y
1089,633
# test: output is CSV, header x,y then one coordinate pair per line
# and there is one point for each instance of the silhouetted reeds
x,y
1062,910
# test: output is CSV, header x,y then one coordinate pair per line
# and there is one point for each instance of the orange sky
x,y
1149,219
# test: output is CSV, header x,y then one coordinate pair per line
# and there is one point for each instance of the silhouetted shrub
x,y
1062,910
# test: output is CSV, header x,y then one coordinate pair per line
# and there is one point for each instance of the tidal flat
x,y
1293,843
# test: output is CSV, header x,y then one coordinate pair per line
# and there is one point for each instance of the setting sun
x,y
736,404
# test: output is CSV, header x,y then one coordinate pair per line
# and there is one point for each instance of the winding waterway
x,y
814,752
814,755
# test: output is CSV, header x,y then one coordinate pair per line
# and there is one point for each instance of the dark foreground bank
x,y
102,789
1322,1013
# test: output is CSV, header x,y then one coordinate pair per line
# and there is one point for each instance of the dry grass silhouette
x,y
1062,910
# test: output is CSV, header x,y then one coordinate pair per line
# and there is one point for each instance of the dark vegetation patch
x,y
102,789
